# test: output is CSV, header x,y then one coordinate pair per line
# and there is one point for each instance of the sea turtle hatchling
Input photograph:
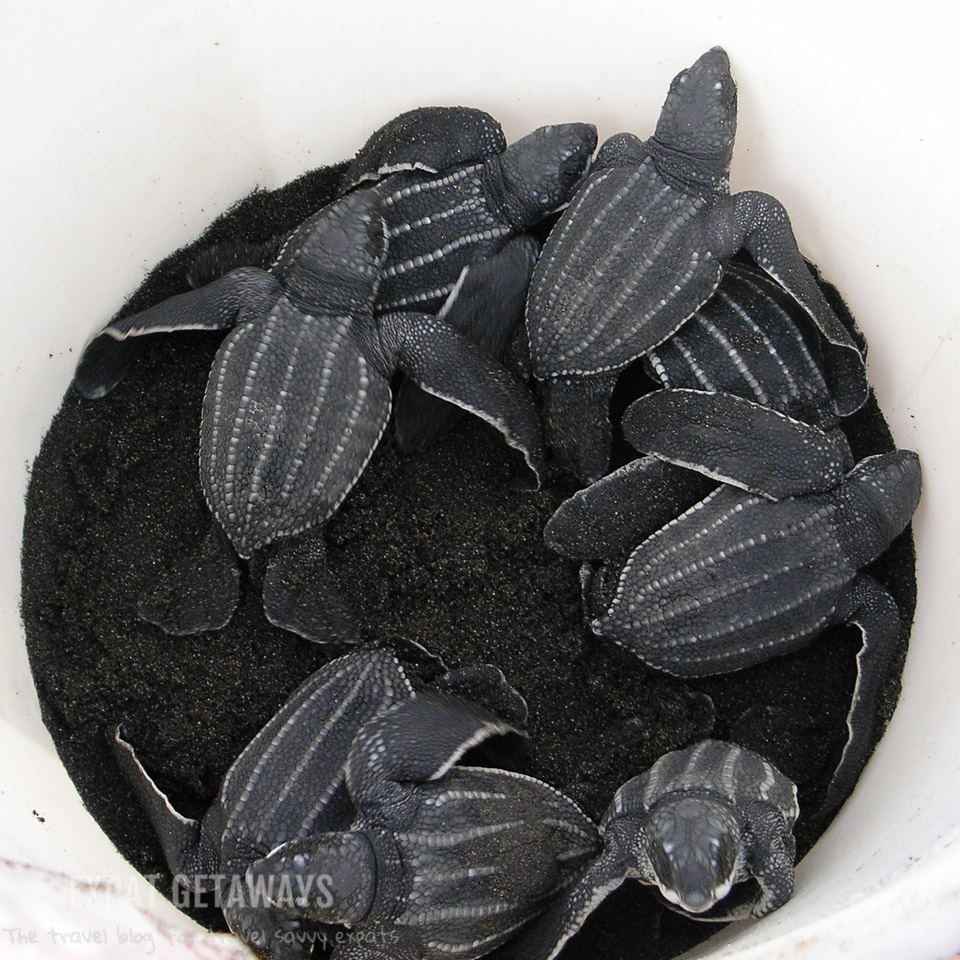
x,y
296,402
760,566
288,784
641,247
442,860
455,197
699,821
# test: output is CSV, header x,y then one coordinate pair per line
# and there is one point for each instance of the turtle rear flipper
x,y
446,364
199,595
486,306
576,414
300,595
109,355
187,847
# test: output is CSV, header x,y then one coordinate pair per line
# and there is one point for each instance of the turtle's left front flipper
x,y
760,224
108,356
486,306
443,362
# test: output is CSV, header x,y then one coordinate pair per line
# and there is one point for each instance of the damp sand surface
x,y
442,548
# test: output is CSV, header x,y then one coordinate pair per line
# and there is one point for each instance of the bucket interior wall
x,y
129,129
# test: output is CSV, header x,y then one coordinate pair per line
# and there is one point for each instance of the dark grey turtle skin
x,y
697,822
430,139
454,196
441,861
443,228
440,224
288,784
760,566
487,308
753,340
296,403
641,247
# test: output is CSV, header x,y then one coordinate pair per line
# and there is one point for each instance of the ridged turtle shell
x,y
626,265
289,781
711,767
751,339
483,852
292,413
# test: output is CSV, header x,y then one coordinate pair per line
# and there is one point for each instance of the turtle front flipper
x,y
416,741
198,595
443,362
544,937
486,306
736,441
187,847
875,613
761,225
771,852
429,139
622,509
109,355
300,594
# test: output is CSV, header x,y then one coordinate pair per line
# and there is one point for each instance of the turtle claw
x,y
299,594
199,597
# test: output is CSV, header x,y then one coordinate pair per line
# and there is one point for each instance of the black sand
x,y
439,548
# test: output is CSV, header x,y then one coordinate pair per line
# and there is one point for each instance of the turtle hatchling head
x,y
541,171
335,256
694,848
330,877
699,116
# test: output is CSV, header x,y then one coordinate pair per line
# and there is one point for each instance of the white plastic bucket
x,y
129,127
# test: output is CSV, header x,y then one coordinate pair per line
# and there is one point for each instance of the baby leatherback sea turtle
x,y
441,861
289,783
697,822
762,565
454,196
452,210
641,247
297,400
